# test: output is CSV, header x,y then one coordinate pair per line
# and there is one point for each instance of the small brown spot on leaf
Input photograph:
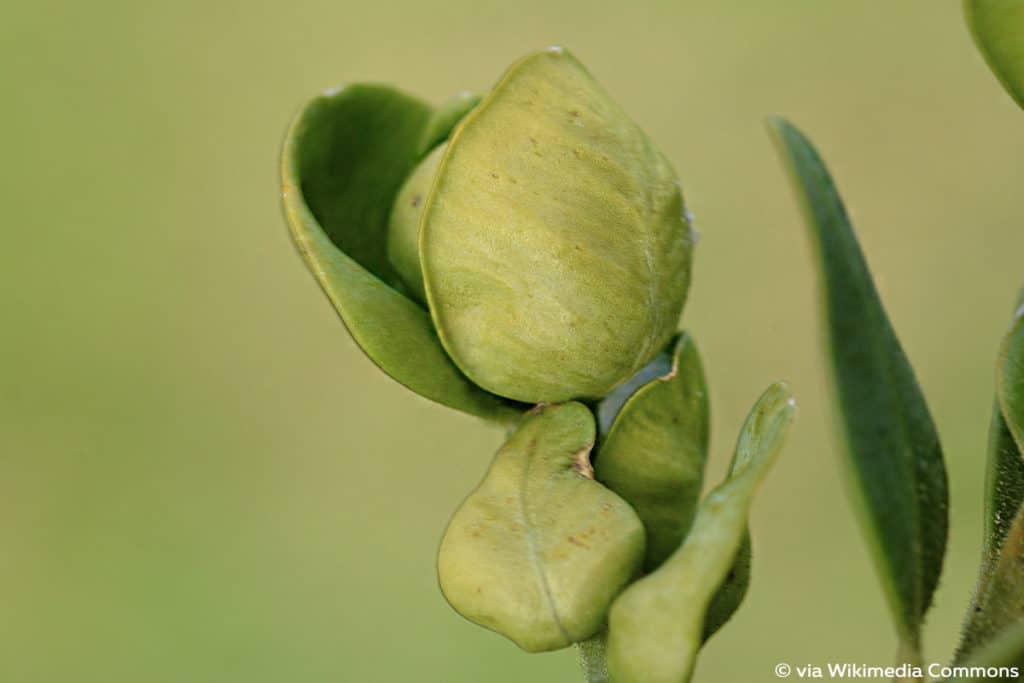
x,y
417,199
581,464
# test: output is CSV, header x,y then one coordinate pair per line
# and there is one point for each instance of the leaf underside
x,y
344,158
893,450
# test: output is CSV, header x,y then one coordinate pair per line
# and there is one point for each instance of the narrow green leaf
x,y
344,158
898,475
539,549
998,30
656,626
991,610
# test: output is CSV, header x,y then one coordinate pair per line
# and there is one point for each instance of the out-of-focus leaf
x,y
344,158
995,602
899,478
539,549
998,30
656,626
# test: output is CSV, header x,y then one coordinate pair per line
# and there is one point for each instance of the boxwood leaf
x,y
539,549
656,626
654,453
344,158
898,475
554,245
998,30
654,444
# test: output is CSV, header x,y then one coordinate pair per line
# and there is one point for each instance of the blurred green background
x,y
203,479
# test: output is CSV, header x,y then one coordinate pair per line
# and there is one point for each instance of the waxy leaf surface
x,y
654,454
344,158
539,549
555,251
656,626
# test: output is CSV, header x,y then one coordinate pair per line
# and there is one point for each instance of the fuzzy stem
x,y
592,659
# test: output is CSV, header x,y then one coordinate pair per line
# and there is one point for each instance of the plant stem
x,y
909,653
592,659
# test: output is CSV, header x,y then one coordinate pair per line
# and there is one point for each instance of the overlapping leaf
x,y
344,158
656,626
539,549
555,250
654,452
655,442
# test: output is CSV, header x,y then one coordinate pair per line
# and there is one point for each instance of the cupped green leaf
x,y
555,250
1004,495
445,118
539,549
898,475
344,158
654,453
998,30
656,626
404,224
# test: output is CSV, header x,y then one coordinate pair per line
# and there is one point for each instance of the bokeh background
x,y
201,477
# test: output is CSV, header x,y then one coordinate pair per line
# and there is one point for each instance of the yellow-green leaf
x,y
344,158
555,249
653,455
998,30
656,626
539,549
